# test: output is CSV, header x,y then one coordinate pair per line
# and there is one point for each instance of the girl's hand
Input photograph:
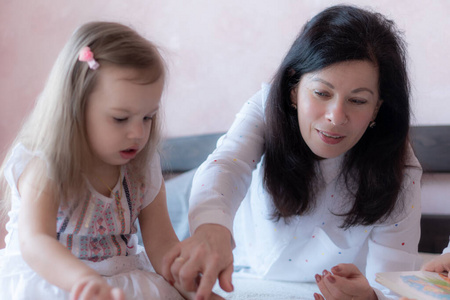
x,y
95,288
345,282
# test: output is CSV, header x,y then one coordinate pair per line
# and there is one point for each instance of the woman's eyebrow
x,y
323,81
363,89
358,90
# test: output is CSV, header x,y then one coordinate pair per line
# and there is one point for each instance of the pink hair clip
x,y
87,56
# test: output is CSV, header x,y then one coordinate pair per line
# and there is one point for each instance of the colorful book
x,y
419,285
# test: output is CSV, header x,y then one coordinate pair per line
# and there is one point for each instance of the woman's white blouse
x,y
227,190
447,250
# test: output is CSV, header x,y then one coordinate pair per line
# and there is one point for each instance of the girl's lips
x,y
330,138
128,154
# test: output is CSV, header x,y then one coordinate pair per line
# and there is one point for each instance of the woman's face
x,y
335,106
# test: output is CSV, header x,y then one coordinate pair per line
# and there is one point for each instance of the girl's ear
x,y
377,108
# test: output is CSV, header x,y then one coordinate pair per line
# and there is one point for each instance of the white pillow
x,y
178,190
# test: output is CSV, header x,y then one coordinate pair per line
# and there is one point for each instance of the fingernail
x,y
325,272
316,296
331,279
318,278
336,269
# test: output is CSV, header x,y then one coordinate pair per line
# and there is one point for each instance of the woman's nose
x,y
336,112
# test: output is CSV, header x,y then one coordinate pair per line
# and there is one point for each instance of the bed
x,y
182,155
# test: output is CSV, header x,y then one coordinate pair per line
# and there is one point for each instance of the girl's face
x,y
336,105
119,115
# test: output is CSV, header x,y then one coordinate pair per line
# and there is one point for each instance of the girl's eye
x,y
148,118
120,120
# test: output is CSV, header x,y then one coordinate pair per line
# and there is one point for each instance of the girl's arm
x,y
40,248
159,236
2,232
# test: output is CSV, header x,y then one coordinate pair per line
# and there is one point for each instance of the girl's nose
x,y
336,113
137,131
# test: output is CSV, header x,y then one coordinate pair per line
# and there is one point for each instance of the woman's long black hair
x,y
373,169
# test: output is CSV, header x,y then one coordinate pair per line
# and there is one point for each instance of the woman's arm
x,y
392,246
344,281
40,248
222,181
439,264
209,253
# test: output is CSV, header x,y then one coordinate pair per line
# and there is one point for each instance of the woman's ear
x,y
294,97
377,108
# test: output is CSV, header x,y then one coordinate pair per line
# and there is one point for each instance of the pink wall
x,y
218,52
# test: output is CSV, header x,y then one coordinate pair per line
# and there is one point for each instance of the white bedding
x,y
250,288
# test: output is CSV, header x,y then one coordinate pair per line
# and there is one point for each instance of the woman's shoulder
x,y
413,169
256,104
411,159
260,96
408,206
264,93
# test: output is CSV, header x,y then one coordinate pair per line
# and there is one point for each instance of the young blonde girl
x,y
84,170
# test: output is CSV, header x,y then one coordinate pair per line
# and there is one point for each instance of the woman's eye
x,y
148,118
120,120
321,94
358,101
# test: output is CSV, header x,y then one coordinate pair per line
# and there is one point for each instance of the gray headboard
x,y
431,145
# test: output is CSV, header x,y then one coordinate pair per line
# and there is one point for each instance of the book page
x,y
417,284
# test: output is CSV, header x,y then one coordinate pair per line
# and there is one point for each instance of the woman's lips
x,y
330,138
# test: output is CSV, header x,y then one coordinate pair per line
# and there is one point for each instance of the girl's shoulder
x,y
23,160
149,183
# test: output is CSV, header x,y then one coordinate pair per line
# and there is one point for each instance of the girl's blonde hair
x,y
56,127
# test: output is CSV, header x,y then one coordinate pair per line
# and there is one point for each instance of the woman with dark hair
x,y
316,173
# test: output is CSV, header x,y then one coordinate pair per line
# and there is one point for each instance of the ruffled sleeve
x,y
153,180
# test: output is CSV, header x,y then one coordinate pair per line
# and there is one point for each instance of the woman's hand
x,y
345,282
196,263
95,288
439,264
